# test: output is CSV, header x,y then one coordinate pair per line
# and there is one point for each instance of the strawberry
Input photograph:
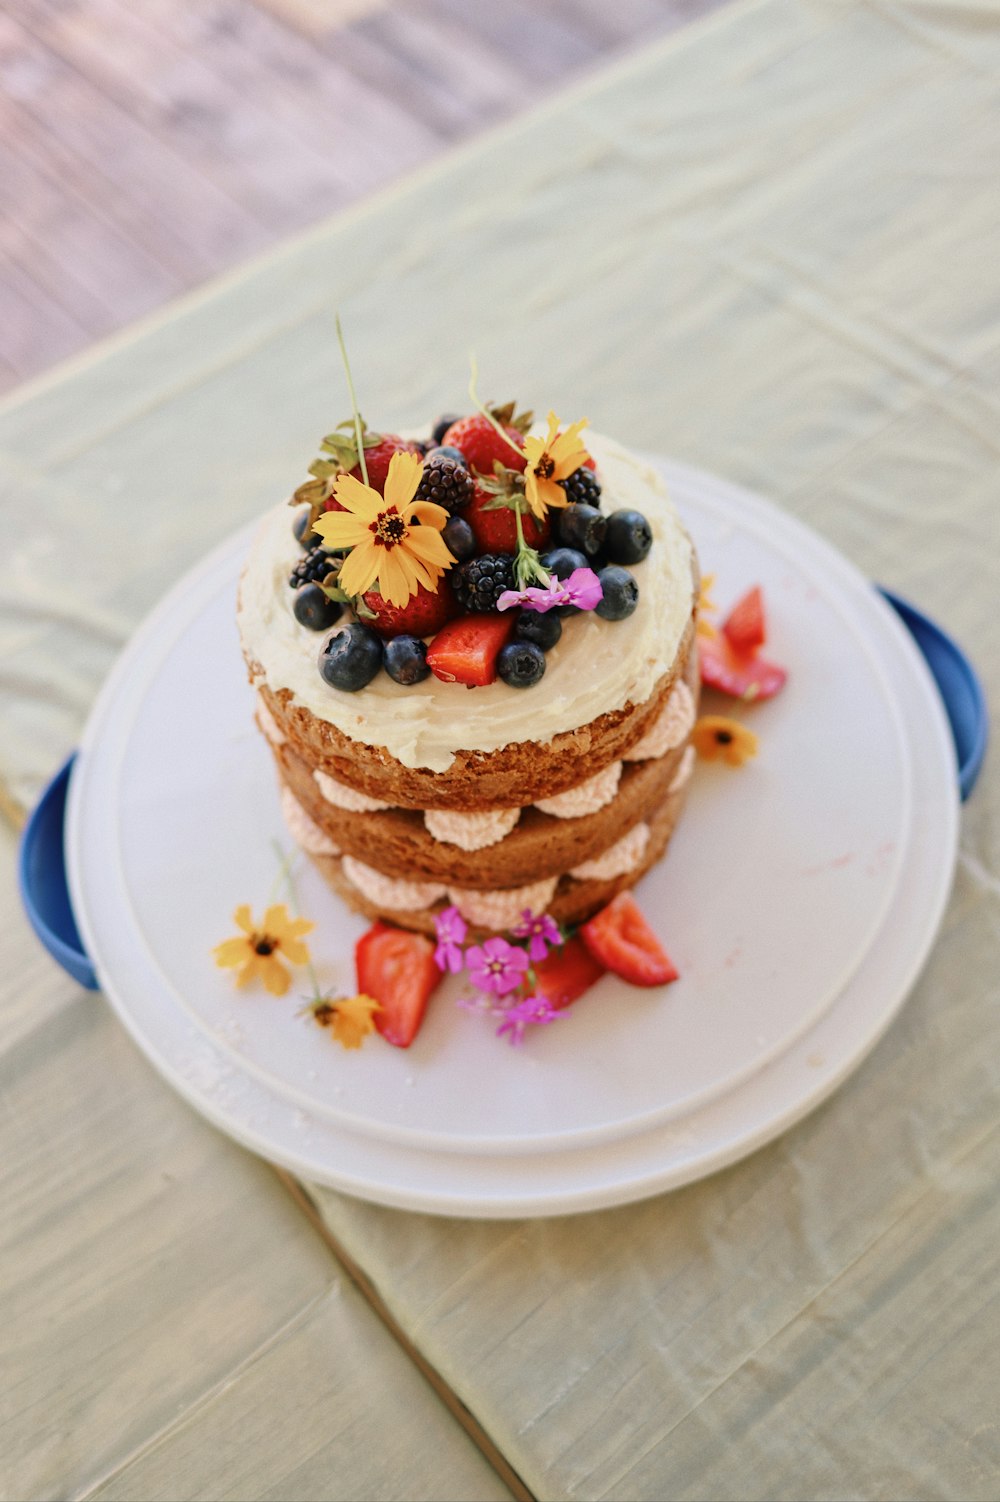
x,y
466,650
742,675
744,627
377,460
397,968
566,973
423,614
621,939
495,530
479,441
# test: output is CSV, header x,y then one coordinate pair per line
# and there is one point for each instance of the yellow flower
x,y
716,736
386,548
350,1017
705,605
256,953
551,459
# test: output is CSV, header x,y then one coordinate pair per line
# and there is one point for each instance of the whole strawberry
x,y
479,441
495,528
423,614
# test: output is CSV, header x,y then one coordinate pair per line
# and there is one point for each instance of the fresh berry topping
x,y
620,593
521,664
742,675
621,939
396,968
480,582
744,627
629,537
482,445
442,425
581,527
315,609
466,650
563,561
544,628
583,486
459,538
496,526
313,568
565,974
405,659
422,615
439,454
351,659
447,483
377,460
304,535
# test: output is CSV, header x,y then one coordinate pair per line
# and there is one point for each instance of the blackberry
x,y
312,569
447,483
480,582
583,487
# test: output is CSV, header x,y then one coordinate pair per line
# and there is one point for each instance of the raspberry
x,y
583,487
480,582
312,569
447,483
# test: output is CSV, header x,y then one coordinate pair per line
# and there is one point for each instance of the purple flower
x,y
543,933
532,1010
582,589
451,929
497,966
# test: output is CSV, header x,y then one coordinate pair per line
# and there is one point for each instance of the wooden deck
x,y
144,149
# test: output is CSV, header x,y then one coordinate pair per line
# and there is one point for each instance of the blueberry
x,y
562,561
442,425
621,593
351,659
521,663
543,628
435,455
313,608
299,525
405,659
629,537
581,527
460,538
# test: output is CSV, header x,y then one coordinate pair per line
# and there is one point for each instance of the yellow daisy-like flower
x,y
705,605
258,952
350,1018
387,549
551,459
715,736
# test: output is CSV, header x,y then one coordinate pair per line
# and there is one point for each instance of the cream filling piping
x,y
587,797
622,858
470,831
302,829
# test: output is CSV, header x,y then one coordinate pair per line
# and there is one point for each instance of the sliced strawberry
x,y
423,614
742,675
621,939
398,969
744,627
566,973
466,650
479,441
495,528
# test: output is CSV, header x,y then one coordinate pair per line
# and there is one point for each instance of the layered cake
x,y
475,661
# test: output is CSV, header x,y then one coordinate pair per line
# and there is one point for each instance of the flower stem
x,y
474,395
354,401
527,564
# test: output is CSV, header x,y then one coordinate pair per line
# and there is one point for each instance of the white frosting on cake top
x,y
597,666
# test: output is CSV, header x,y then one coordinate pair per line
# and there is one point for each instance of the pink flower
x,y
543,933
497,966
450,928
582,589
532,1010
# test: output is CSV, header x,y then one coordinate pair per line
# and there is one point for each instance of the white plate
x,y
799,900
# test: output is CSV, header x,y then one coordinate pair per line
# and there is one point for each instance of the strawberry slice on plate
x,y
744,627
621,939
565,974
466,650
397,968
742,675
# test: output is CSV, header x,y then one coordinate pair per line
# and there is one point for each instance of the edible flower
x,y
386,547
531,1011
582,589
716,737
258,952
496,966
706,605
451,929
542,932
551,459
351,1018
